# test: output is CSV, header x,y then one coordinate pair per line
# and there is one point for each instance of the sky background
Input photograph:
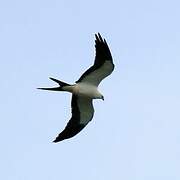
x,y
135,133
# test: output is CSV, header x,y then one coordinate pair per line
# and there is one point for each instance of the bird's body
x,y
85,90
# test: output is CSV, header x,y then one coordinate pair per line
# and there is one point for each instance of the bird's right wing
x,y
82,113
103,64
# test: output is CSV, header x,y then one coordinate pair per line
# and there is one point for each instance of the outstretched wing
x,y
103,64
82,113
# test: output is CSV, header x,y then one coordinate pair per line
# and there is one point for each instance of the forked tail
x,y
59,88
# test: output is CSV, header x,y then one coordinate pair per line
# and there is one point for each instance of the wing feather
x,y
103,64
82,112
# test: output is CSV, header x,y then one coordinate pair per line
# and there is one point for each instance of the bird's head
x,y
99,96
102,97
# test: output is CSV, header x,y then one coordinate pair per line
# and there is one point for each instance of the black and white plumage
x,y
85,90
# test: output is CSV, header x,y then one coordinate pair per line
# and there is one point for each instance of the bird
x,y
85,90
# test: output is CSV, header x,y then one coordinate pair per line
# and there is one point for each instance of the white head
x,y
99,96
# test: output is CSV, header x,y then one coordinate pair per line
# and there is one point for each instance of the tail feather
x,y
60,88
61,83
52,89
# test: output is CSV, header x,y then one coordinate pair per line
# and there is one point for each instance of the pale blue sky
x,y
135,133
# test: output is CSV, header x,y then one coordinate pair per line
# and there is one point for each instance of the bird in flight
x,y
85,90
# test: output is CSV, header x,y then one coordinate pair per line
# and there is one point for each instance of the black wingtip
x,y
99,38
55,141
98,34
58,140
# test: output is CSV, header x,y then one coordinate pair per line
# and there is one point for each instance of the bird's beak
x,y
103,98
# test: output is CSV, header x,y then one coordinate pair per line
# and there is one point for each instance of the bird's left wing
x,y
82,113
103,64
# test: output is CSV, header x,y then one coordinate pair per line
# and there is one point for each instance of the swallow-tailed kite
x,y
85,90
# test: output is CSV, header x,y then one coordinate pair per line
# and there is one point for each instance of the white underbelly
x,y
87,90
